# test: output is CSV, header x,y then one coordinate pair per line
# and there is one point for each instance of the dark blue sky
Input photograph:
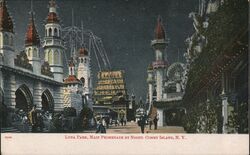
x,y
125,26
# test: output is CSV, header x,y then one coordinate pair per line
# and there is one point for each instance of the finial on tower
x,y
31,10
52,3
52,16
52,6
159,30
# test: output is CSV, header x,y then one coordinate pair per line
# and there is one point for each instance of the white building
x,y
34,76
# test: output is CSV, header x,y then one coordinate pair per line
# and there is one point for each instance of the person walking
x,y
150,123
121,120
155,122
100,128
107,122
33,118
142,123
125,121
40,122
25,123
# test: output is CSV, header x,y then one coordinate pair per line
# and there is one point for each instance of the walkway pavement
x,y
132,127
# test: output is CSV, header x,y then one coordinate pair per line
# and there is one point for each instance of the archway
x,y
173,116
24,98
47,101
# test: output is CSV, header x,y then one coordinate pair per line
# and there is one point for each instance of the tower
x,y
53,44
6,35
84,73
73,90
32,44
159,44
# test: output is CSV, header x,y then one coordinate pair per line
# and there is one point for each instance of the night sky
x,y
125,26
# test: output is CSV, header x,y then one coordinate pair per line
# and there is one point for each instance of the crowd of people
x,y
104,123
35,120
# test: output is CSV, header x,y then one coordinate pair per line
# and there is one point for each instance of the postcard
x,y
124,77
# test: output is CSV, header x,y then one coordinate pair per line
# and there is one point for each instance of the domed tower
x,y
32,44
84,72
6,35
53,44
159,44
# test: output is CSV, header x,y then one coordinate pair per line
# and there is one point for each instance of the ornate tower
x,y
32,44
6,35
72,90
159,44
53,44
84,73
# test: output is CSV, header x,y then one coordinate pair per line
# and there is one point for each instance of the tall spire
x,y
32,37
31,6
6,23
159,30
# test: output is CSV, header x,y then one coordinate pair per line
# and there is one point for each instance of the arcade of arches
x,y
24,99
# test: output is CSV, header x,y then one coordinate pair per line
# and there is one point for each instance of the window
x,y
56,57
29,52
6,39
11,41
55,32
50,32
85,60
83,81
81,60
50,57
71,71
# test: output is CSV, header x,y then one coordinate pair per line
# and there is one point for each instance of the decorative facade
x,y
111,92
26,79
216,80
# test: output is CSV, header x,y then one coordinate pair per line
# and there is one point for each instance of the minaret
x,y
150,81
53,44
159,44
32,44
6,35
84,71
73,89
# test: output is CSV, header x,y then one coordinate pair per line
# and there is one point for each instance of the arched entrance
x,y
173,116
47,101
24,98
